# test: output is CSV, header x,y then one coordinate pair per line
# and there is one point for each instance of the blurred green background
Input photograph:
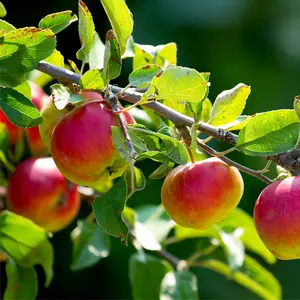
x,y
254,42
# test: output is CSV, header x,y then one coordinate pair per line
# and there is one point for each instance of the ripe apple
x,y
277,217
82,145
35,142
38,191
201,194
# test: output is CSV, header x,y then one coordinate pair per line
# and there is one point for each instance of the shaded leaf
x,y
18,109
163,170
269,133
108,210
112,57
58,21
139,179
90,244
22,283
145,268
179,285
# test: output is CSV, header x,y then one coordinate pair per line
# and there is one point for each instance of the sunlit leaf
x,y
86,31
229,105
143,75
58,21
2,10
269,133
96,55
120,19
20,52
93,80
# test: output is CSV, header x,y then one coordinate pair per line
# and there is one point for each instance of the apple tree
x,y
86,141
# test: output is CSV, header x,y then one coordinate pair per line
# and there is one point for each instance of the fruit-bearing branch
x,y
288,160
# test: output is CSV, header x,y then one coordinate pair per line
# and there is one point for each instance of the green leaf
x,y
179,285
5,26
229,105
163,170
22,283
93,80
19,237
166,53
145,268
233,247
58,21
156,146
269,133
24,88
143,75
4,142
177,84
86,31
129,51
120,19
162,55
2,10
43,79
108,210
112,57
20,52
90,244
62,96
96,55
238,124
139,179
18,109
206,109
238,219
145,237
156,220
143,55
120,143
252,276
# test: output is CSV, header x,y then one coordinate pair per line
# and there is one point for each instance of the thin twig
x,y
230,162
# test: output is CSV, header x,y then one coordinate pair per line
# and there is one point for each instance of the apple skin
x,y
277,218
82,145
201,194
35,142
38,191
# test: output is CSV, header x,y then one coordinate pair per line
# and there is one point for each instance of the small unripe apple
x,y
201,194
82,145
277,217
38,191
35,142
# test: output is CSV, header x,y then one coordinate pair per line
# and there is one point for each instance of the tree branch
x,y
288,160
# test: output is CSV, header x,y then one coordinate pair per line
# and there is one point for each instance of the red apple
x,y
82,145
35,142
38,191
277,217
201,194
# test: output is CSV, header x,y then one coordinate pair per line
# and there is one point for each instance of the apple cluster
x,y
74,147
